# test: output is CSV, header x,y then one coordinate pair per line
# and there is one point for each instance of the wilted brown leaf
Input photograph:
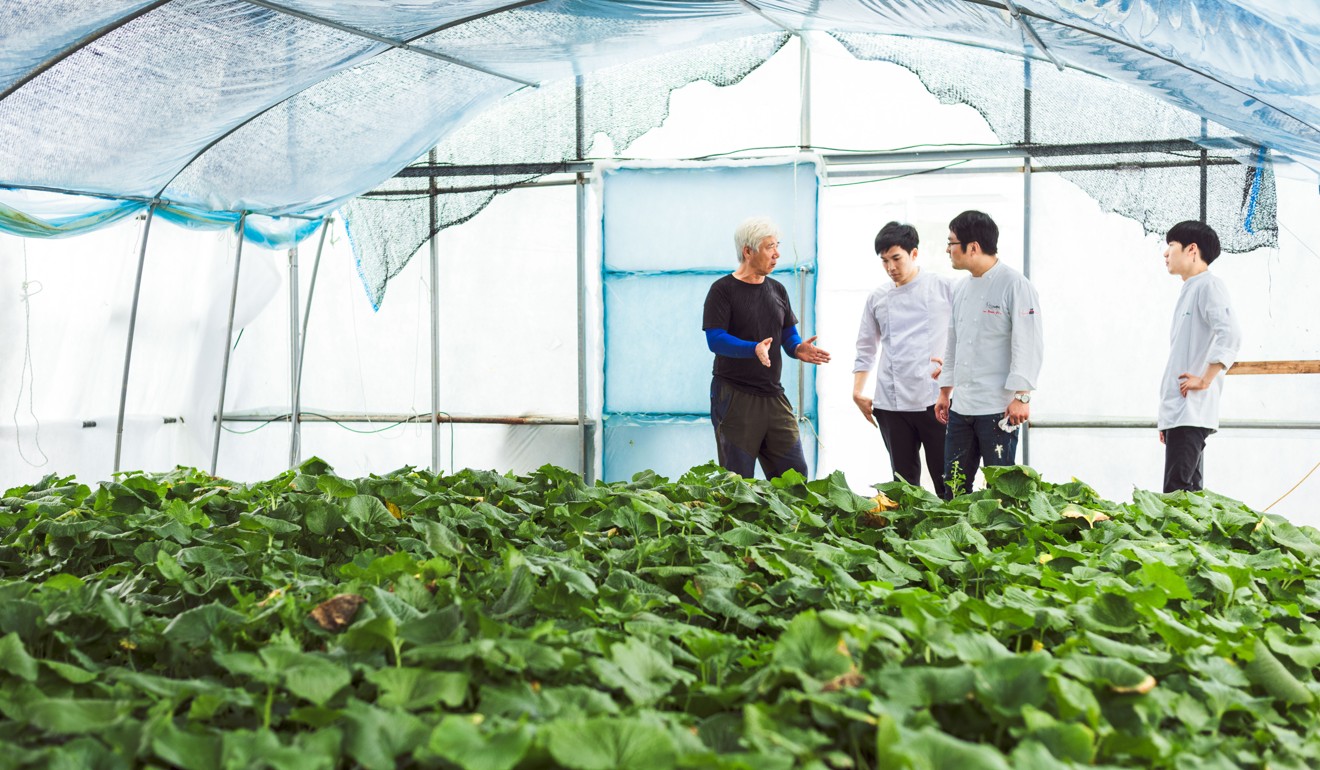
x,y
1140,688
872,520
336,613
851,679
883,503
1071,511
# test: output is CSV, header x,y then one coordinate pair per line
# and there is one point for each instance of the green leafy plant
x,y
492,622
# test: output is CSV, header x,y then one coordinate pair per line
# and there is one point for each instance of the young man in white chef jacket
x,y
1203,344
908,322
994,355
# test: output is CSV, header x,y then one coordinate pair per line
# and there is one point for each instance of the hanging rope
x,y
27,376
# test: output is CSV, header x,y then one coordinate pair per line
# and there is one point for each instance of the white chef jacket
x,y
1205,331
996,341
912,322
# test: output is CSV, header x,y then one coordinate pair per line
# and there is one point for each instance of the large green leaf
x,y
186,749
316,680
203,625
376,738
14,658
930,749
1010,684
607,743
644,672
415,688
812,647
76,716
366,514
460,740
1266,670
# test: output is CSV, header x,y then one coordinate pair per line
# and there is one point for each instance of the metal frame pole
x,y
1026,272
132,331
804,143
586,439
229,336
295,351
434,218
296,417
1026,212
1205,173
804,88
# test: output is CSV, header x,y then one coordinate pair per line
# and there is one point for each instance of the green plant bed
x,y
493,622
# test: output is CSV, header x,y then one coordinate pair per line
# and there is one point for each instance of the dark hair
x,y
1192,231
895,234
976,227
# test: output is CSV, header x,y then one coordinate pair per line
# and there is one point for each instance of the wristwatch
x,y
1023,397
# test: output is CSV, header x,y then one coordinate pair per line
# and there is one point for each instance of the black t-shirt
x,y
752,312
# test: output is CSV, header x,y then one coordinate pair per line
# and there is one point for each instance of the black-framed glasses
x,y
951,244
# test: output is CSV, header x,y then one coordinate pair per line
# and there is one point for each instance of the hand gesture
x,y
763,350
866,405
809,353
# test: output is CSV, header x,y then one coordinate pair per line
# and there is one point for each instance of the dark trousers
x,y
751,427
1184,458
974,440
904,434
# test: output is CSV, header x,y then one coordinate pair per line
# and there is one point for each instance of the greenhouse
x,y
359,414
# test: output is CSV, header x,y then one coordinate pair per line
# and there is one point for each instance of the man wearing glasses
x,y
993,357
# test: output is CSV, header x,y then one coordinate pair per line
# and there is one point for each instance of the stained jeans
x,y
974,440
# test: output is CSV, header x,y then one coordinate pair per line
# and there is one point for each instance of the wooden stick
x,y
1275,367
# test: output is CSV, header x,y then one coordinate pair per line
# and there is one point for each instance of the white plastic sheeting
x,y
295,107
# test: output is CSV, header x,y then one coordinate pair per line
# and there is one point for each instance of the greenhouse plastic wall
x,y
667,235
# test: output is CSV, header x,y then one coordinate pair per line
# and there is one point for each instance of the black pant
x,y
749,427
906,432
1184,458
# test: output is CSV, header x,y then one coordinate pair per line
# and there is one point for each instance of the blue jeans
x,y
974,440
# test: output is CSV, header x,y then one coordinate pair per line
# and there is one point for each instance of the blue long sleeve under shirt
x,y
721,343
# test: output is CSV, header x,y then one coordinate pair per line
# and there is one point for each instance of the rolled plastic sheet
x,y
37,214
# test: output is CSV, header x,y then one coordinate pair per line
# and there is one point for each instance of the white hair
x,y
751,232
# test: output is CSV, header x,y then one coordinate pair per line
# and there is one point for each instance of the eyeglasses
x,y
951,244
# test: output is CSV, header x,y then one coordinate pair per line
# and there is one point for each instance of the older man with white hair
x,y
747,319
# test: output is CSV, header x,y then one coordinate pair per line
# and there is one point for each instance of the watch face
x,y
1023,397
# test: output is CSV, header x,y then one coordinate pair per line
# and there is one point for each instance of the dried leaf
x,y
1085,514
873,520
883,503
336,613
851,679
1140,688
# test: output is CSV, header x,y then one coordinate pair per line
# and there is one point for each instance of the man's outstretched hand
x,y
763,350
809,353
